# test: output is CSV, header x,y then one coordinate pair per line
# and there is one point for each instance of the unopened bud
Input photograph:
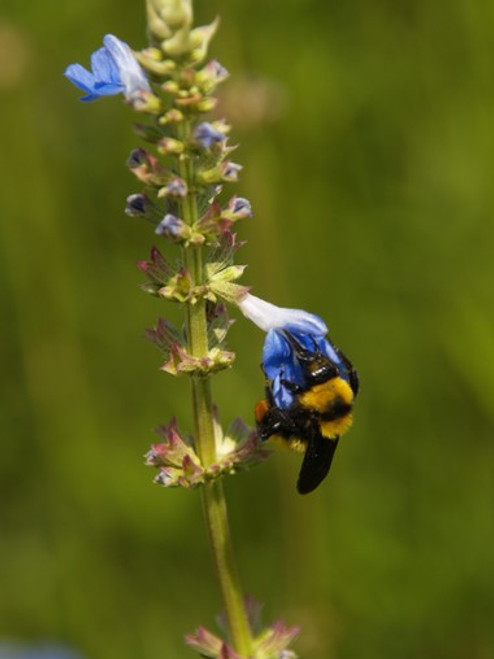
x,y
169,145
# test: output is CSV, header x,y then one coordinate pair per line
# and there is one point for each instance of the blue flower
x,y
278,356
207,135
115,70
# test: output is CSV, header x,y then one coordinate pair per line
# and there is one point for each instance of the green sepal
x,y
178,288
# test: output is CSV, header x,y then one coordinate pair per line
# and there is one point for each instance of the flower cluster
x,y
269,643
180,466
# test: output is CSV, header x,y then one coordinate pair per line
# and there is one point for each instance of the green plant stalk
x,y
213,497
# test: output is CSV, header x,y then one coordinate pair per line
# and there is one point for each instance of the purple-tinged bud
x,y
176,188
145,167
215,68
225,171
207,135
239,207
211,75
136,158
171,227
230,171
204,642
137,205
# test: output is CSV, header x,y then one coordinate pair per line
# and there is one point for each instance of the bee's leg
x,y
352,371
292,386
276,422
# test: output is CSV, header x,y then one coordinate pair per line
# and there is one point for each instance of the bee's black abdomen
x,y
316,463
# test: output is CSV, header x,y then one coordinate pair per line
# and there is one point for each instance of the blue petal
x,y
276,351
280,363
104,68
80,77
107,88
283,398
306,324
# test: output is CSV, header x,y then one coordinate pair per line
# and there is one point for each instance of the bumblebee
x,y
320,411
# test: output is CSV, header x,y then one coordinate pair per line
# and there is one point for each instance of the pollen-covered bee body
x,y
320,412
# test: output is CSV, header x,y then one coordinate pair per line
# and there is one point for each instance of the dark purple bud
x,y
136,158
137,205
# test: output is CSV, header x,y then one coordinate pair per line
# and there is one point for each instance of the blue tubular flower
x,y
115,70
278,356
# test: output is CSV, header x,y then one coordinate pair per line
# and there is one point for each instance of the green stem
x,y
213,497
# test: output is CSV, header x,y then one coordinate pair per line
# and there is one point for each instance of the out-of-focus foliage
x,y
367,135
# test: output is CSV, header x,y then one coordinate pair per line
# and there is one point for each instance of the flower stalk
x,y
213,497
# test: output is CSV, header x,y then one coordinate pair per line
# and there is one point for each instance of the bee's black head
x,y
316,366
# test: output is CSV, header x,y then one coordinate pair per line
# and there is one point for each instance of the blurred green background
x,y
367,136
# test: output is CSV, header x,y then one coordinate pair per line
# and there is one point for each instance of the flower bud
x,y
138,205
172,227
170,87
157,27
176,189
200,38
238,208
207,104
169,145
225,171
175,13
171,117
146,101
146,167
211,75
152,60
207,134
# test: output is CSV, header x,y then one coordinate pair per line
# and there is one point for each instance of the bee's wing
x,y
317,461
